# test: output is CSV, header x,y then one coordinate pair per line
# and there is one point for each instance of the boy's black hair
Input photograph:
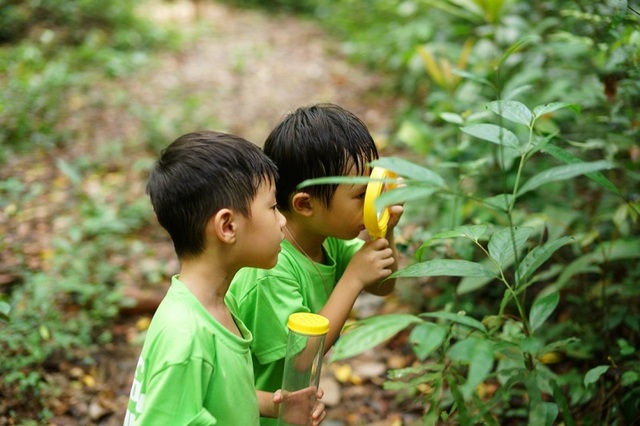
x,y
199,174
317,141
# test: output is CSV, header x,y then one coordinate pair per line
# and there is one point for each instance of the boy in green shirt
x,y
323,267
214,193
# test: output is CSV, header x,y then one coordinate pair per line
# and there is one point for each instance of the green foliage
x,y
73,21
535,233
63,311
513,349
54,52
297,6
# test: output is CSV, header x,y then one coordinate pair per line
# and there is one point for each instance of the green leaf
x,y
411,171
451,117
499,202
478,353
501,244
554,346
459,406
473,77
619,249
542,309
444,268
512,110
5,308
536,257
492,133
425,338
569,158
559,396
539,144
459,12
44,332
403,194
517,46
459,318
334,180
537,415
369,333
70,171
629,378
559,173
472,232
541,110
550,412
469,284
594,374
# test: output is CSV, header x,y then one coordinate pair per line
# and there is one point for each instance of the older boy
x,y
323,267
214,193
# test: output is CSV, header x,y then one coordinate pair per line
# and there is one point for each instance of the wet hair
x,y
318,141
199,174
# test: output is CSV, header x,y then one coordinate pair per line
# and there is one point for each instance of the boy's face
x,y
344,217
262,233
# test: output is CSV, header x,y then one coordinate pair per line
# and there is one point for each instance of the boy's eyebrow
x,y
357,187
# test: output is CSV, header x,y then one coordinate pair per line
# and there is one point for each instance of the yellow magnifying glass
x,y
376,220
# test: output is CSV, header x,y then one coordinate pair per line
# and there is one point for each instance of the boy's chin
x,y
364,235
271,264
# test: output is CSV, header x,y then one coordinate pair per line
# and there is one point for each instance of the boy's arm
x,y
268,408
338,307
368,266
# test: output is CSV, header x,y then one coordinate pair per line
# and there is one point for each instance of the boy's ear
x,y
302,204
224,225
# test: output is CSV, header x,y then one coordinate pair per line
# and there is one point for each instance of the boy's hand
x,y
298,406
371,264
319,412
395,211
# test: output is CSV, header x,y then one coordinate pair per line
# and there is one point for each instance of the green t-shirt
x,y
266,298
192,370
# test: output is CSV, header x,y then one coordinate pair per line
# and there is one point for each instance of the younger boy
x,y
323,267
214,193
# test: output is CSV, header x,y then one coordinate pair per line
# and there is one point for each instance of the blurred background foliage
x,y
446,60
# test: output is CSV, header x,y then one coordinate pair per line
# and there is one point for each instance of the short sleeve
x,y
266,311
342,251
170,399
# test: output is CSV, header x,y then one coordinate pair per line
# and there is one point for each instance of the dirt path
x,y
254,68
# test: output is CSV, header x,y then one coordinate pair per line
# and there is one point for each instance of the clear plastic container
x,y
302,366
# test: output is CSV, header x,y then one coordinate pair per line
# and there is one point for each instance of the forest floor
x,y
252,68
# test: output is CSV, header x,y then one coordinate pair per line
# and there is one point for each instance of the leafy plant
x,y
63,310
53,53
500,366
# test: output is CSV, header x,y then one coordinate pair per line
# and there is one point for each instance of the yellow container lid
x,y
308,323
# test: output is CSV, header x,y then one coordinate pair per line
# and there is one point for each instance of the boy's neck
x,y
209,282
201,279
307,243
